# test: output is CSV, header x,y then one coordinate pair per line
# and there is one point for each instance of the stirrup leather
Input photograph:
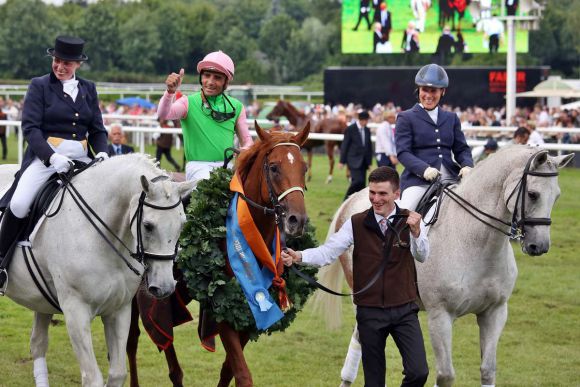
x,y
4,273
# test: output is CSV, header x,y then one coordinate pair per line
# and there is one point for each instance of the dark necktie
x,y
383,225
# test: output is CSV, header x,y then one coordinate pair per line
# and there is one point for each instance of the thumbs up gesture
x,y
173,81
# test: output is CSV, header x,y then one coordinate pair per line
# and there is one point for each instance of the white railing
x,y
141,131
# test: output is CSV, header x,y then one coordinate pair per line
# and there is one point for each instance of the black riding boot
x,y
10,229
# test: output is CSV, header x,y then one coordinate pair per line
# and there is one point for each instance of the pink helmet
x,y
217,61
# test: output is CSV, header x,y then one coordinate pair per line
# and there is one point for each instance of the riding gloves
x,y
102,155
430,174
61,163
464,171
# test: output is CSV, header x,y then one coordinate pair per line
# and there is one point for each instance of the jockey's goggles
x,y
216,115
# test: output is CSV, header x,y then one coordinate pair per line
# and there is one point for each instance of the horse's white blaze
x,y
290,158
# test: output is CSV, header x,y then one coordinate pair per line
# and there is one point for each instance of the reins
x,y
140,254
516,227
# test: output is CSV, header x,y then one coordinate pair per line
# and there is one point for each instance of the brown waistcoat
x,y
397,285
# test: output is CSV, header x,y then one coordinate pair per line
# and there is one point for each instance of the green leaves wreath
x,y
203,263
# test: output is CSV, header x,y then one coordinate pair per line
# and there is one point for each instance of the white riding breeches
x,y
37,174
198,170
411,196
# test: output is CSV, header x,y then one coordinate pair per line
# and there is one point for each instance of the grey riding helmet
x,y
432,75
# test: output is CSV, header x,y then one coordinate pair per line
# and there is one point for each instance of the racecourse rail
x,y
149,125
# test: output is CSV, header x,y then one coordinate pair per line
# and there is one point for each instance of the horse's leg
x,y
309,154
491,323
440,331
116,331
78,324
175,371
39,346
226,374
351,363
330,153
234,359
133,343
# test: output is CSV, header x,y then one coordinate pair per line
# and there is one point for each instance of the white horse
x,y
85,275
471,267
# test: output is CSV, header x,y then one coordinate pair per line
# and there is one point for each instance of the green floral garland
x,y
203,263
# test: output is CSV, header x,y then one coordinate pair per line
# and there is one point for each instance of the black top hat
x,y
68,48
363,115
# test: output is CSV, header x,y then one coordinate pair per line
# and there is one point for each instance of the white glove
x,y
61,163
102,155
430,174
464,171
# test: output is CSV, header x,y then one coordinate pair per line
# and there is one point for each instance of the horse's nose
x,y
159,292
535,249
295,224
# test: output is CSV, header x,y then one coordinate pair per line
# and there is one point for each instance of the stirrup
x,y
5,285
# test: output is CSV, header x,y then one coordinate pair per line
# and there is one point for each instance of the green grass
x,y
539,345
361,41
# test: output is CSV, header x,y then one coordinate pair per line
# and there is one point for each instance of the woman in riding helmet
x,y
429,140
209,118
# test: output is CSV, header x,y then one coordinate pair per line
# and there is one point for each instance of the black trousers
x,y
360,17
4,148
167,152
401,322
358,177
493,43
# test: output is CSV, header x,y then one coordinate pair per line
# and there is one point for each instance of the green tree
x,y
275,37
28,28
99,26
139,43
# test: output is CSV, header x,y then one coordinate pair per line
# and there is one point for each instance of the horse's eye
x,y
148,226
533,195
274,168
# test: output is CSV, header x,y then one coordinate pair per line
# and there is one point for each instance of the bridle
x,y
140,255
277,209
519,219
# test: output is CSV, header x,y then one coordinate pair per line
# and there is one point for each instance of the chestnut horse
x,y
326,125
272,173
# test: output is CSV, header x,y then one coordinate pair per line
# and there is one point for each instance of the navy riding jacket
x,y
49,112
421,143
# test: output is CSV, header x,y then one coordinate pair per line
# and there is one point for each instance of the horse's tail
x,y
331,276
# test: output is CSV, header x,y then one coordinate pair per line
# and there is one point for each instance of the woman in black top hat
x,y
61,122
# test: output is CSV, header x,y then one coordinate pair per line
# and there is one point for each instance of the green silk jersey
x,y
203,138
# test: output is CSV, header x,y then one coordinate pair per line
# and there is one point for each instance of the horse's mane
x,y
292,109
257,152
495,168
133,163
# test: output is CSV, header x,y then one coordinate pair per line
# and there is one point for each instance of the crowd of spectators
x,y
531,118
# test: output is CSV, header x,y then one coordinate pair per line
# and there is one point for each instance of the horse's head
x,y
531,195
278,111
156,225
273,173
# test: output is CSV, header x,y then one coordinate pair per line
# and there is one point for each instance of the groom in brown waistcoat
x,y
387,240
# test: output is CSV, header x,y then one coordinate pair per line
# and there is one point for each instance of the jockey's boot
x,y
10,229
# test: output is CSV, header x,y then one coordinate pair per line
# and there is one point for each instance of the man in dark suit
x,y
511,7
383,16
356,152
364,10
116,147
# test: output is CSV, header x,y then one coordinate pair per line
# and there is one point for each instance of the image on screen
x,y
428,26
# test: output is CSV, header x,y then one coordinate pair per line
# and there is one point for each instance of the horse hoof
x,y
344,383
329,179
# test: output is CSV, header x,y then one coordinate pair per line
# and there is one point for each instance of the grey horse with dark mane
x,y
471,268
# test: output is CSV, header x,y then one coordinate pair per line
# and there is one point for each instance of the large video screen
x,y
428,26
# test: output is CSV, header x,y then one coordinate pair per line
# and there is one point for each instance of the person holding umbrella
x,y
209,118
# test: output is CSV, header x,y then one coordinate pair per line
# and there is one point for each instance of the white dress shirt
x,y
70,86
385,139
432,113
337,244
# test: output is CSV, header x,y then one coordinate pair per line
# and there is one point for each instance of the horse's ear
x,y
562,161
300,138
145,184
186,187
540,159
262,134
